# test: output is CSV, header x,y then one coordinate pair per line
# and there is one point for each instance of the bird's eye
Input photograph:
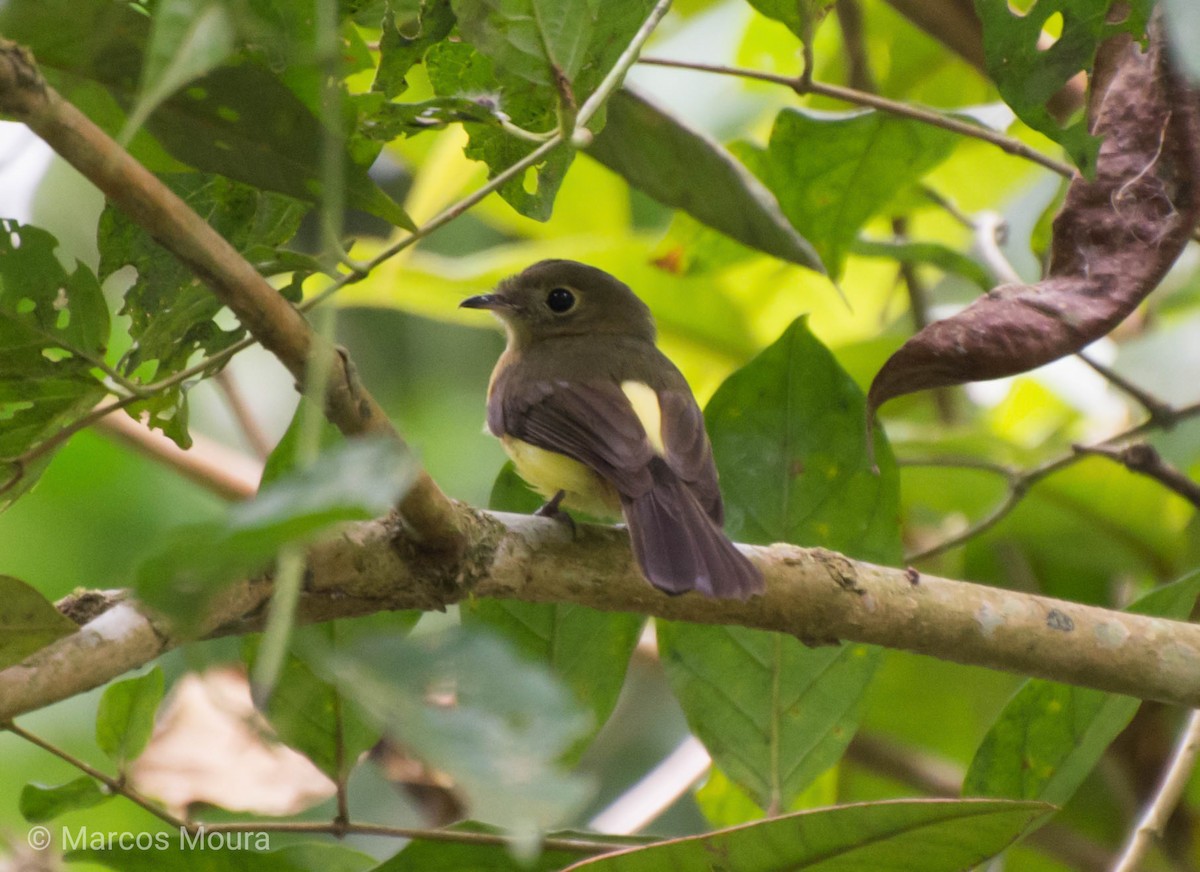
x,y
560,300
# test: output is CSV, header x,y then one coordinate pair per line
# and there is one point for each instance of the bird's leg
x,y
551,510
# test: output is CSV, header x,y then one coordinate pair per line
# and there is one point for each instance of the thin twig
x,y
627,59
1143,458
1170,789
229,474
241,412
656,791
990,231
1019,484
1156,408
932,117
111,783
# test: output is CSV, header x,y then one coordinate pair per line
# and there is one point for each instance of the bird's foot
x,y
551,510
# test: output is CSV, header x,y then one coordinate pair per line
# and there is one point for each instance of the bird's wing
x,y
689,453
590,421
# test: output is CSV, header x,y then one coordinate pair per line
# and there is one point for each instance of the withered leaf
x,y
1112,243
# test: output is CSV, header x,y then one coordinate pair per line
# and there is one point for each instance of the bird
x,y
598,420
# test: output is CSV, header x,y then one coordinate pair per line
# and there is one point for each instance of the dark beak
x,y
485,301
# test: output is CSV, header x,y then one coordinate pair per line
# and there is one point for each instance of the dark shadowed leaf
x,y
1028,75
788,439
1050,736
1114,240
647,146
831,173
900,836
28,621
42,802
125,718
54,330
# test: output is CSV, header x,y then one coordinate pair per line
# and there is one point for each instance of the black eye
x,y
560,300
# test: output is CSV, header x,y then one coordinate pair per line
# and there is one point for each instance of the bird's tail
x,y
680,548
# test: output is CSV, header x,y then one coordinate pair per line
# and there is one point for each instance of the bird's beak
x,y
485,301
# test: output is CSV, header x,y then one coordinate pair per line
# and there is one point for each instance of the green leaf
x,y
773,713
173,317
900,836
800,16
1029,76
358,480
28,621
456,69
833,172
683,169
587,649
188,40
314,717
933,253
498,737
1050,735
536,40
282,459
54,330
787,430
404,43
788,435
221,852
422,855
125,717
42,802
517,50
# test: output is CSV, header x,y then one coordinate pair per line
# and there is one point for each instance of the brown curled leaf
x,y
1113,241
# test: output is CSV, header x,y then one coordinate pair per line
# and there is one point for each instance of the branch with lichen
x,y
816,595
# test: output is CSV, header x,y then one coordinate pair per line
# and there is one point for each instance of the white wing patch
x,y
644,400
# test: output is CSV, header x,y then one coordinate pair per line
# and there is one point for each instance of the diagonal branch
x,y
264,312
814,594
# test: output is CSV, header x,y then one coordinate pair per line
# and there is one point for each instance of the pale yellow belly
x,y
548,472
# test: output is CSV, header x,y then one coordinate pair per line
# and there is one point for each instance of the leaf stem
x,y
108,781
932,117
1170,789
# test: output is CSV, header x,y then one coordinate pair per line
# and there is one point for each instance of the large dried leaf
x,y
1113,241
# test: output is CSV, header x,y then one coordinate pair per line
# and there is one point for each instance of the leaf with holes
x,y
404,42
573,47
173,317
1029,74
54,331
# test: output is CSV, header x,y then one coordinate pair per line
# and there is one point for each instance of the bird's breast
x,y
548,472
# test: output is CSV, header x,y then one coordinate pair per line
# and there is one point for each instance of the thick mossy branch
x,y
814,594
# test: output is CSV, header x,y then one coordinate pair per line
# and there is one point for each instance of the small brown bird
x,y
597,419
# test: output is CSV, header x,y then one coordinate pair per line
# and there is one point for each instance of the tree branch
x,y
262,310
862,98
813,594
